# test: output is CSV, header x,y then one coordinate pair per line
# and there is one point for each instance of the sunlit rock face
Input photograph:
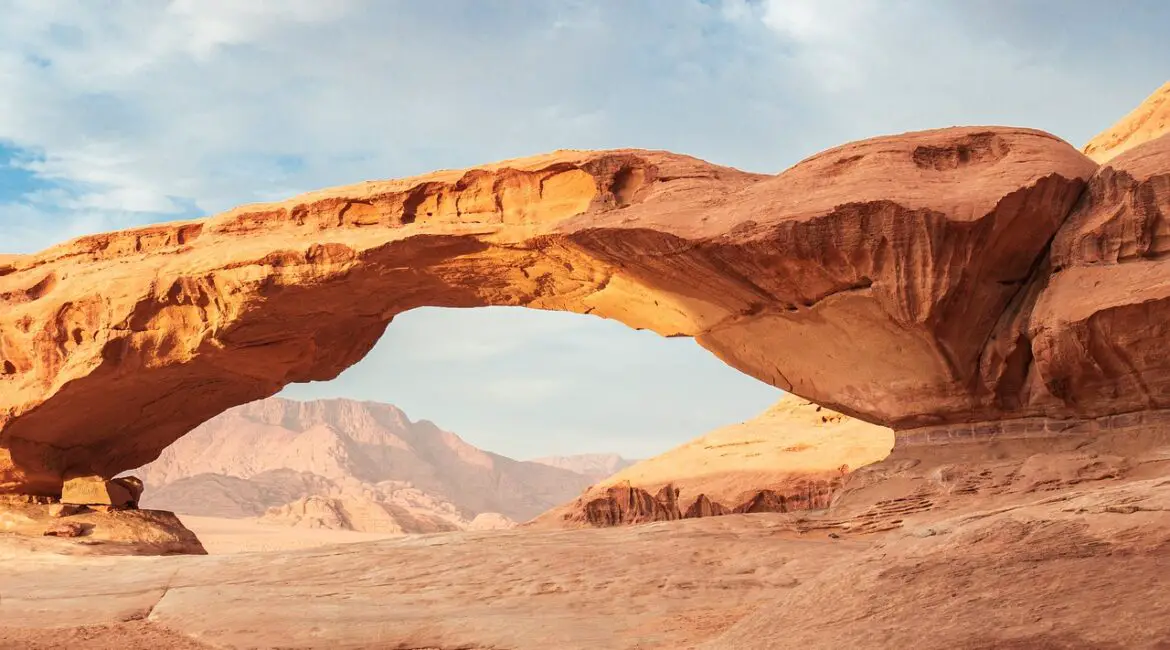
x,y
1149,121
903,280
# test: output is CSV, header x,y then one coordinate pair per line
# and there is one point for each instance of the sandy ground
x,y
220,535
1031,545
656,586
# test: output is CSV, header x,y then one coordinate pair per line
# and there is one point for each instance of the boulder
x,y
58,510
65,529
96,491
133,485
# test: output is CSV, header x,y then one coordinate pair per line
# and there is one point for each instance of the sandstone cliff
x,y
793,456
905,280
1149,121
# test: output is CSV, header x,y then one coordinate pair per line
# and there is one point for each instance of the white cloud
x,y
151,107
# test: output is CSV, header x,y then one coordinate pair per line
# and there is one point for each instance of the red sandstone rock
x,y
869,278
65,529
792,457
64,509
1149,121
1101,322
96,491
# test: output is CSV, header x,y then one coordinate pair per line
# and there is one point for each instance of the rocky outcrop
x,y
99,530
358,514
1149,121
624,505
904,280
627,505
232,497
1100,325
792,457
123,492
491,521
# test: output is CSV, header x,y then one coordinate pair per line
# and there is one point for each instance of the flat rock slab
x,y
661,585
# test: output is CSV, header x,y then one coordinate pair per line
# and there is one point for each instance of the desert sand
x,y
1016,543
222,536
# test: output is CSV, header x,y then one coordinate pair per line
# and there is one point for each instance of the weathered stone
x,y
1150,120
705,507
64,509
1100,327
65,529
96,491
133,485
868,278
793,456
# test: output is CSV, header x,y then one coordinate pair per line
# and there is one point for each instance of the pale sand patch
x,y
222,536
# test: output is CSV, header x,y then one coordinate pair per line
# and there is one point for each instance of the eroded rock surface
x,y
121,492
1054,543
1149,121
98,530
793,457
869,278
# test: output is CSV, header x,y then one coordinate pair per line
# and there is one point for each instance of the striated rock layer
x,y
903,280
1150,120
795,456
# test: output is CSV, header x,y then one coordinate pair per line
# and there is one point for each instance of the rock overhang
x,y
877,278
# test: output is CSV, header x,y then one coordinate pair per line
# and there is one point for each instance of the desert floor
x,y
1002,548
221,536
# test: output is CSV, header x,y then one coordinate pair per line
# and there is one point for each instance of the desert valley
x,y
969,326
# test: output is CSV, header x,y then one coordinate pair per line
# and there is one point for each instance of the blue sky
x,y
119,114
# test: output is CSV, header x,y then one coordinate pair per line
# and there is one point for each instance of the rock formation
x,y
1150,120
490,521
97,530
792,457
362,515
904,280
277,451
94,491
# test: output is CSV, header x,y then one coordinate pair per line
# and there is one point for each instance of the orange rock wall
x,y
906,280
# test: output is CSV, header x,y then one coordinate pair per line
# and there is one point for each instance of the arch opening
x,y
876,289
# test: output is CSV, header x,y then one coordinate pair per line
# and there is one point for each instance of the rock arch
x,y
890,279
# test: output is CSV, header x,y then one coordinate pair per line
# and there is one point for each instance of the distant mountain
x,y
594,466
256,459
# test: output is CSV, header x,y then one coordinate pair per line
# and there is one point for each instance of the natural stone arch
x,y
870,278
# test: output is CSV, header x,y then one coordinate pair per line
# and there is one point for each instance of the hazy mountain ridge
x,y
595,466
266,459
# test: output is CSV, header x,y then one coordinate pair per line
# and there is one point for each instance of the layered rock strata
x,y
905,280
795,456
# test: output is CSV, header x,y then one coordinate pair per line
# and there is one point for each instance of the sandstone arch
x,y
890,279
